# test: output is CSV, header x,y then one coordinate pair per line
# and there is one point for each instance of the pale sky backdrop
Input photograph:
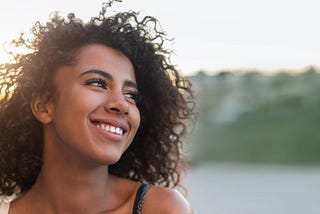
x,y
209,34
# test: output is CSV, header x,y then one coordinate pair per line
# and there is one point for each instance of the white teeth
x,y
119,131
109,128
113,129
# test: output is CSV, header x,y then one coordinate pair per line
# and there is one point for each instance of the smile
x,y
110,128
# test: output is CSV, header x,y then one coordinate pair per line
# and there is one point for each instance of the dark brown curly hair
x,y
166,99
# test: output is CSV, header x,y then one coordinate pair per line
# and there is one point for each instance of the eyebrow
x,y
106,75
95,71
131,84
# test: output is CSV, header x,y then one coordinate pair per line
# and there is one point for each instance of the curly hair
x,y
166,101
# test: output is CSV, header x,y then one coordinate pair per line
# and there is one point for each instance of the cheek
x,y
71,109
136,118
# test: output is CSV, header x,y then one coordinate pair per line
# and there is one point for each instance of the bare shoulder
x,y
165,200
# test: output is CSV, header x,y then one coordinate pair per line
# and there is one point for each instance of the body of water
x,y
253,189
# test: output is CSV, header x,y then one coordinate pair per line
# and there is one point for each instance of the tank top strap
x,y
138,201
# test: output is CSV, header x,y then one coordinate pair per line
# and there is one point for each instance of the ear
x,y
42,108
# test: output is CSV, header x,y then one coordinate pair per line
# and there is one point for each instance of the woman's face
x,y
94,112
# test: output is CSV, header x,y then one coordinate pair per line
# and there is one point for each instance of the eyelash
x,y
101,83
132,95
97,82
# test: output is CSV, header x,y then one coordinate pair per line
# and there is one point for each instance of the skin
x,y
95,93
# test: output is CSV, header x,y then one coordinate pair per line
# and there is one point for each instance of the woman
x,y
91,119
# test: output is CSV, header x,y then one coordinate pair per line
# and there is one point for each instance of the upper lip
x,y
113,122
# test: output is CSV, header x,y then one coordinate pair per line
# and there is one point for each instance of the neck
x,y
67,184
66,189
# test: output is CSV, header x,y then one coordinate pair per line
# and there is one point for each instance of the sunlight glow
x,y
209,34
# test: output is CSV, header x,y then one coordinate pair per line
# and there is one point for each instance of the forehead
x,y
98,56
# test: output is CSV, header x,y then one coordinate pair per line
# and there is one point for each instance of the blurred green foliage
x,y
252,117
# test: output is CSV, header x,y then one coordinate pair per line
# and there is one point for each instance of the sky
x,y
209,35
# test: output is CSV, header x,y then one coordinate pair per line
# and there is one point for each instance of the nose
x,y
116,103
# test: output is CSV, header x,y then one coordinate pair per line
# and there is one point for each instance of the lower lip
x,y
110,136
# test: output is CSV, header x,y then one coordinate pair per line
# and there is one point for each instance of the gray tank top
x,y
138,202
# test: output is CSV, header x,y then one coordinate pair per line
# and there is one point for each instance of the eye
x,y
132,95
97,82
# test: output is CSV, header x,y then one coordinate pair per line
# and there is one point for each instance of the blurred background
x,y
255,68
255,147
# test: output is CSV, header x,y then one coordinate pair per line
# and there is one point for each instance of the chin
x,y
108,159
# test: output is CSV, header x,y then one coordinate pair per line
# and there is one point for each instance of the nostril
x,y
119,110
117,107
114,109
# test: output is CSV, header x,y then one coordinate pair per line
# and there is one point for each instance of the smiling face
x,y
93,113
